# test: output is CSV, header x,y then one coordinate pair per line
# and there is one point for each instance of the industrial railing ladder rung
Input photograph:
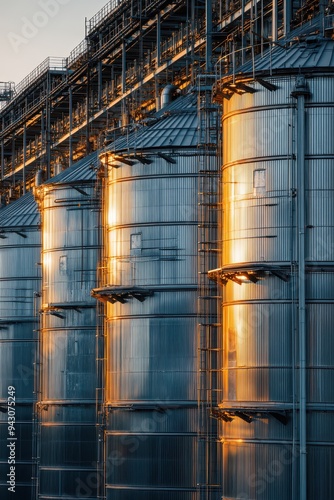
x,y
36,428
100,345
209,351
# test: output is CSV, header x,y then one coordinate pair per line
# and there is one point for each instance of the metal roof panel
x,y
83,170
312,53
20,213
175,125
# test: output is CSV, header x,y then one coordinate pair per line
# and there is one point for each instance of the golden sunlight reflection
x,y
47,260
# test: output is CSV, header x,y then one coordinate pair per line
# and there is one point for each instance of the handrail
x,y
102,14
77,53
49,64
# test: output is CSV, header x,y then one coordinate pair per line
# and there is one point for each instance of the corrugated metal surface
x,y
176,126
23,463
82,170
70,244
257,222
153,461
68,483
120,494
151,217
67,469
165,257
165,418
320,460
258,471
257,365
269,289
62,375
269,126
304,54
152,353
21,213
260,320
264,429
20,275
20,244
152,359
68,376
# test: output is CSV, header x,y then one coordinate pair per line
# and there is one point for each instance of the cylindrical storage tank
x,y
277,275
151,287
20,246
69,205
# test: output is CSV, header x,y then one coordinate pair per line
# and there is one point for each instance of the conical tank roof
x,y
81,171
300,55
174,126
306,55
22,213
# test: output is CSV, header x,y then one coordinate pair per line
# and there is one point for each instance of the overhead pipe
x,y
166,95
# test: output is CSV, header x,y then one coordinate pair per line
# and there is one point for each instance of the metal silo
x,y
151,290
20,245
67,444
277,274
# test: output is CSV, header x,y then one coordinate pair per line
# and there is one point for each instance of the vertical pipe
x,y
301,288
13,160
208,36
192,34
322,8
262,28
48,126
124,114
252,39
287,16
123,67
242,31
99,76
158,41
43,141
2,157
300,92
87,112
24,157
157,96
274,20
70,114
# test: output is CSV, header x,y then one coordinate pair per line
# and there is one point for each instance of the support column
x,y
287,16
48,128
13,161
24,157
158,40
99,76
242,31
87,112
70,114
274,27
208,35
124,114
2,158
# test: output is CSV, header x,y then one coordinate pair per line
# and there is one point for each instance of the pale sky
x,y
31,30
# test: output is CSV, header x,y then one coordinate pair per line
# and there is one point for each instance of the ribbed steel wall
x,y
260,328
151,351
20,243
68,380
